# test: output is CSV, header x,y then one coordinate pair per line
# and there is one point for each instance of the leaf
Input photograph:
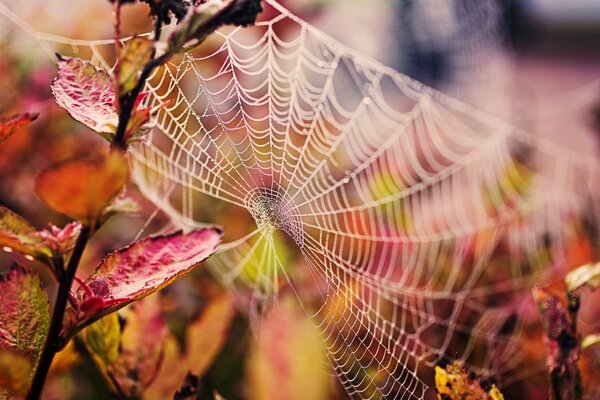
x,y
86,92
454,383
590,340
9,126
130,357
82,189
142,268
18,235
65,359
206,335
195,26
61,240
136,53
287,355
24,313
103,337
586,275
204,18
121,205
172,371
562,343
15,372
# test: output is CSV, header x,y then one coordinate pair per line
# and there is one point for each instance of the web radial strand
x,y
416,228
410,225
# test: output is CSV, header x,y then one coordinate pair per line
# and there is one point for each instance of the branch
x,y
53,342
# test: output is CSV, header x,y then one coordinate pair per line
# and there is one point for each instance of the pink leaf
x,y
144,267
86,92
24,313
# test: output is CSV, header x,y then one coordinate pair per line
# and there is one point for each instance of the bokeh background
x,y
533,63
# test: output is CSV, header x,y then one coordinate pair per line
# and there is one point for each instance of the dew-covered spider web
x,y
410,226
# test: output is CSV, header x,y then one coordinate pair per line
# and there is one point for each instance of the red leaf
x,y
9,126
24,313
86,92
144,267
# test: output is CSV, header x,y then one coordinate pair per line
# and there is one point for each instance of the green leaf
x,y
86,92
103,337
9,126
15,372
24,313
136,53
141,269
586,275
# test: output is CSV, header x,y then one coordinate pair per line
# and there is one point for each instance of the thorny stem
x,y
53,341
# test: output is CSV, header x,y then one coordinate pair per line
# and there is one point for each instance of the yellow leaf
x,y
454,383
495,393
65,359
287,360
15,372
586,275
207,335
136,53
82,189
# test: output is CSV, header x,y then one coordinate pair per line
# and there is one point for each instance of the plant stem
x,y
53,341
128,101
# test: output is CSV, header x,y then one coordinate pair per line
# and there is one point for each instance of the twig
x,y
53,341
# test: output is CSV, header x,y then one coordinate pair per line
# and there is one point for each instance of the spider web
x,y
409,225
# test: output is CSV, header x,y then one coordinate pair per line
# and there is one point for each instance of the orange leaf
x,y
82,189
207,335
9,126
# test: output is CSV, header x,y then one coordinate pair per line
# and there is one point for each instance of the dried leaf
x,y
82,189
131,356
204,18
142,268
9,126
206,335
15,372
24,313
562,344
18,235
586,275
454,383
86,92
136,53
196,25
288,355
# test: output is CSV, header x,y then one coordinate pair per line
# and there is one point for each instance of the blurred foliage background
x,y
534,63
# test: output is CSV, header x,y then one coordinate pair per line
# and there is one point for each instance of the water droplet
x,y
30,258
7,249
